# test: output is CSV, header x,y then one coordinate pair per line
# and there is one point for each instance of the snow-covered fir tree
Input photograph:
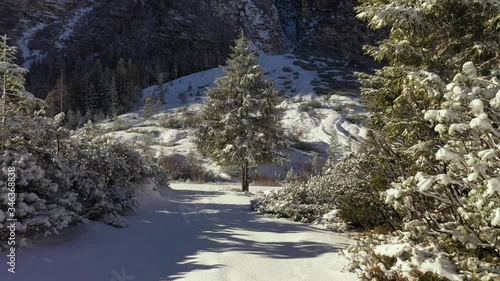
x,y
12,87
452,209
438,36
240,121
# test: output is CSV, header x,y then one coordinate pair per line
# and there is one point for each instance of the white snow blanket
x,y
191,232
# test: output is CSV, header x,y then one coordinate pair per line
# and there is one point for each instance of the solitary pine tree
x,y
240,124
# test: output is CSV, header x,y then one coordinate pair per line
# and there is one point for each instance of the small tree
x,y
162,88
241,122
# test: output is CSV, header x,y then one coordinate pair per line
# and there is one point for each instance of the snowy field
x,y
190,232
313,126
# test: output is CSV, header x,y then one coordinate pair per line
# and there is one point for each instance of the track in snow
x,y
196,232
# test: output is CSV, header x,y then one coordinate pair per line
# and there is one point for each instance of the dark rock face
x,y
328,28
174,37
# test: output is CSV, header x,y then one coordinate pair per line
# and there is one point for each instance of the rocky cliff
x,y
174,37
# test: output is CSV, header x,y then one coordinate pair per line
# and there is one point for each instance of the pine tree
x,y
12,87
241,122
334,148
438,36
58,98
114,99
71,120
91,98
149,107
99,117
162,91
78,117
157,106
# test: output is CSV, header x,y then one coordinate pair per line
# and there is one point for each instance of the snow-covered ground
x,y
313,126
190,232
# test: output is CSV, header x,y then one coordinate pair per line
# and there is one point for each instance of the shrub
x,y
187,119
310,105
179,167
450,198
262,180
64,180
352,187
120,125
170,122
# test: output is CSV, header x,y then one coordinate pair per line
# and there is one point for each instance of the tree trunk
x,y
244,177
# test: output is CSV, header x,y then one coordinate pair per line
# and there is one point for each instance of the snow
x,y
493,186
314,127
192,232
392,250
29,55
446,154
70,25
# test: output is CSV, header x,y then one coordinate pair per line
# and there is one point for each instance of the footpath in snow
x,y
192,232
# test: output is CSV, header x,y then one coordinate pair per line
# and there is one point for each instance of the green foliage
x,y
349,186
311,105
14,101
121,125
436,36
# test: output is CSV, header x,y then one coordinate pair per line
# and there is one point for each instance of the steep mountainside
x,y
174,38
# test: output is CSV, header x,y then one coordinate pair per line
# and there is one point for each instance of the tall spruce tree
x,y
241,122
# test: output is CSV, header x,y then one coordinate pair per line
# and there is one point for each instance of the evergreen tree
x,y
162,91
114,99
433,35
78,117
149,107
99,117
71,120
157,106
12,87
58,98
91,98
334,148
241,122
86,118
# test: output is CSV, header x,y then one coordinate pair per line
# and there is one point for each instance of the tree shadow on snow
x,y
162,242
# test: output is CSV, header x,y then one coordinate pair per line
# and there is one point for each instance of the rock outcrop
x,y
175,37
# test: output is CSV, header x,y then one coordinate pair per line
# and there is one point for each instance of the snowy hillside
x,y
309,119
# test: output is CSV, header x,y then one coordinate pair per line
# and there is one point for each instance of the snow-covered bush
x,y
179,167
60,179
45,202
350,187
64,180
453,207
